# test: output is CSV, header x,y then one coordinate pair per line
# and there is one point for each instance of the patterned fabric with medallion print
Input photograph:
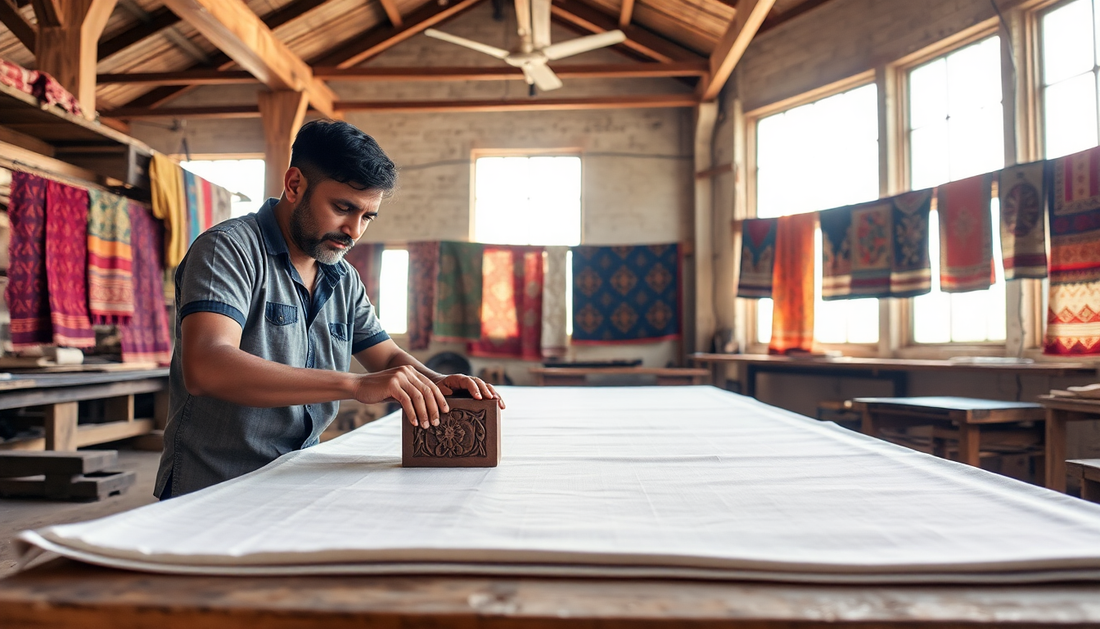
x,y
26,294
511,303
1075,218
1023,221
757,258
423,274
966,236
872,248
793,292
626,294
458,292
911,274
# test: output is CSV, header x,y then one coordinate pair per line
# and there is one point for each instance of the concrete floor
x,y
23,514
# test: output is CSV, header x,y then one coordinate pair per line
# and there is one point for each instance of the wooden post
x,y
68,33
119,409
1056,449
969,443
282,113
61,426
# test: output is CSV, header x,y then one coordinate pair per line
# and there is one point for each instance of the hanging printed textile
x,y
67,264
366,258
1023,221
911,274
110,259
793,285
836,253
626,294
554,313
27,294
757,258
423,274
966,236
1075,218
223,205
458,292
170,206
200,205
872,248
511,303
1073,319
146,338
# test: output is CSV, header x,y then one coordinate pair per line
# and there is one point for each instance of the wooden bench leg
x,y
1090,490
869,426
61,426
119,409
1056,450
970,445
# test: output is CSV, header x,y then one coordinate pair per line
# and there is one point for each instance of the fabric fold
x,y
170,206
1023,200
511,303
757,258
27,293
66,264
146,338
793,285
966,236
1075,218
423,275
626,294
554,313
458,292
110,259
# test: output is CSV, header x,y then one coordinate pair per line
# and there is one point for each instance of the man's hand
x,y
421,399
476,386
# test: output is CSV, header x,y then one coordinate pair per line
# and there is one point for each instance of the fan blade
x,y
468,43
583,44
523,18
540,23
542,75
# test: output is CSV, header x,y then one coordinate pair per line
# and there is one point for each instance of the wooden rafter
x,y
535,104
638,39
626,13
392,13
159,20
49,12
239,33
775,19
24,31
376,41
732,45
397,74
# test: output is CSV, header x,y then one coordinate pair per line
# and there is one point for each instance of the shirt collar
x,y
276,243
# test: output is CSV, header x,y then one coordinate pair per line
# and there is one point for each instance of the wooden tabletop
x,y
645,371
1080,405
946,403
63,593
50,380
902,364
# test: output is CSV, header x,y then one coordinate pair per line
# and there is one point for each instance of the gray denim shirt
x,y
241,268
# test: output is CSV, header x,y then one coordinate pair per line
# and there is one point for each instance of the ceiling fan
x,y
535,47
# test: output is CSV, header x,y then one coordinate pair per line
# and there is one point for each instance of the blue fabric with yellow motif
x,y
626,294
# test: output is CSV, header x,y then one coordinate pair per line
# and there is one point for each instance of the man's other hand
x,y
420,398
477,387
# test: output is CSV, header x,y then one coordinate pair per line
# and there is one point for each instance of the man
x,y
269,316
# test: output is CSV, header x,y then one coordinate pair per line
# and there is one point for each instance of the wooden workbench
x,y
63,593
578,376
1059,412
61,393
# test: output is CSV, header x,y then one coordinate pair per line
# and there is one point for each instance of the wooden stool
x,y
1088,472
62,475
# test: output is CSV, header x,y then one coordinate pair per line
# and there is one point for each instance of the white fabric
x,y
554,338
648,481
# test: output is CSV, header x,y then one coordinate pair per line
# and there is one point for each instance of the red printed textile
x,y
146,339
1075,218
366,257
966,235
49,92
27,295
1073,320
793,285
66,264
15,75
511,303
423,275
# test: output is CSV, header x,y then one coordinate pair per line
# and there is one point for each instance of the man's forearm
x,y
233,375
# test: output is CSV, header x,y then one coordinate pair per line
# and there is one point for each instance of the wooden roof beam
x,y
750,16
392,13
626,13
378,40
638,39
159,20
775,19
24,31
239,33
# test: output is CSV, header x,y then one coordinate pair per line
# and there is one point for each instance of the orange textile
x,y
793,285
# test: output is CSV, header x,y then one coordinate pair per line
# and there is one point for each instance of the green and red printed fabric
x,y
458,292
626,294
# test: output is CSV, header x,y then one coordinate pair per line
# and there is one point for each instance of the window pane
x,y
976,142
764,308
974,77
1070,116
393,291
927,148
928,94
528,200
1067,41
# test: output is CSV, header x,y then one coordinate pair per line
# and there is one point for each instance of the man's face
x,y
330,217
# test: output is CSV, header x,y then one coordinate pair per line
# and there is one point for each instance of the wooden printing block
x,y
468,436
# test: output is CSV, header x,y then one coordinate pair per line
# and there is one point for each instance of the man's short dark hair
x,y
326,149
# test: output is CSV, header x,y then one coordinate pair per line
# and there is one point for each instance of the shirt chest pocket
x,y
339,331
280,314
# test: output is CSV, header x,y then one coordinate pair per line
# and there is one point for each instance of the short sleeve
x,y
217,275
368,329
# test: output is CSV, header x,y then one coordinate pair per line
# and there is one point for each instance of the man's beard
x,y
303,230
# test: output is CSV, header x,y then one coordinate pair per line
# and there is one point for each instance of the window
x,y
956,130
815,157
1070,55
240,176
528,200
393,291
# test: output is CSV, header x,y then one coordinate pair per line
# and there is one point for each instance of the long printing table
x,y
626,507
61,393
